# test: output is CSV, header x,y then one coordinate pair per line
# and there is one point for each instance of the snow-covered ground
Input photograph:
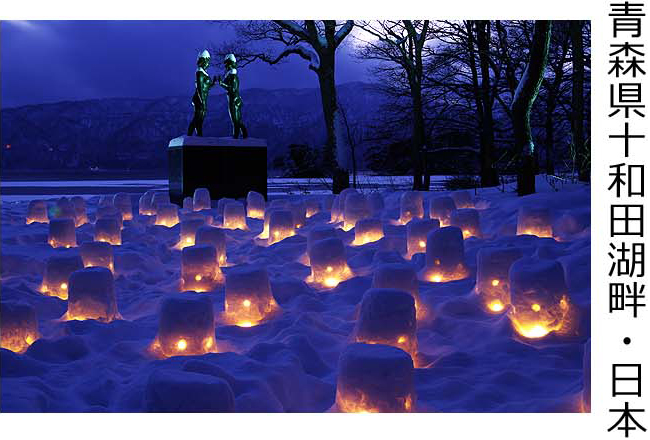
x,y
467,360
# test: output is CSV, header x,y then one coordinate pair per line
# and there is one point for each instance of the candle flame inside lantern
x,y
536,307
422,244
181,345
467,233
496,306
495,283
436,278
359,403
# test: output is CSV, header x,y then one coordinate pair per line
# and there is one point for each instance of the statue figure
x,y
231,84
203,84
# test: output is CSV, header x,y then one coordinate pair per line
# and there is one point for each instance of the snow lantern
x,y
468,221
91,295
312,207
158,198
97,254
534,221
186,326
57,273
145,203
188,231
188,204
255,205
105,200
37,212
398,276
387,316
64,209
336,210
107,229
201,199
368,230
267,218
410,206
329,266
375,378
234,216
279,204
18,326
221,204
281,226
122,201
81,215
326,202
586,380
442,208
167,215
249,300
62,233
539,297
376,201
110,212
200,269
299,212
462,199
416,235
492,283
356,208
445,256
213,236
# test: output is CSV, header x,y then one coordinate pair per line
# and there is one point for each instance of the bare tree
x,y
522,103
577,99
316,42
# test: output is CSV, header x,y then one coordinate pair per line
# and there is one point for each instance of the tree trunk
x,y
489,175
340,176
522,103
417,137
578,100
550,133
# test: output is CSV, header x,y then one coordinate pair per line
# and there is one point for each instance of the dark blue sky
x,y
49,61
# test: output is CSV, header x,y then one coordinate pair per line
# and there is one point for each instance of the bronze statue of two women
x,y
204,83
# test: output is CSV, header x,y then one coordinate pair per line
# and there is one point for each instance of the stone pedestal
x,y
227,167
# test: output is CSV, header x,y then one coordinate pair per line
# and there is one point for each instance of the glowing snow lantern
x,y
375,378
221,204
159,198
281,226
200,269
37,212
442,208
62,233
201,199
401,277
188,231
279,204
410,206
122,201
336,211
188,204
539,297
356,208
255,205
416,235
445,256
492,283
376,201
186,326
468,221
81,216
388,316
249,300
234,216
534,221
586,390
145,203
215,237
299,212
462,199
18,326
57,273
367,231
105,200
312,207
97,254
110,212
107,229
64,209
91,295
328,264
167,215
326,202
